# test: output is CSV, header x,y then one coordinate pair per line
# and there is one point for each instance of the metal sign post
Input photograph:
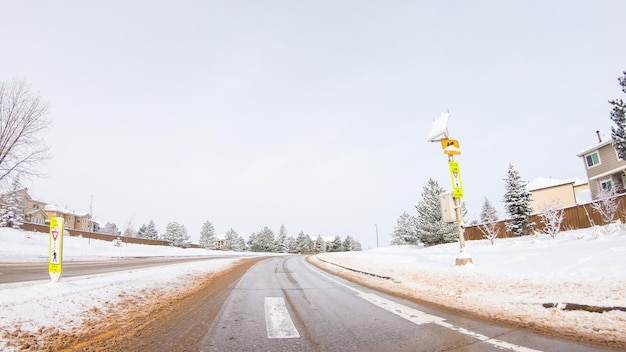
x,y
55,249
439,132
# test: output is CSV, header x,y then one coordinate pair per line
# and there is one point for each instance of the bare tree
x,y
552,217
23,116
490,230
606,205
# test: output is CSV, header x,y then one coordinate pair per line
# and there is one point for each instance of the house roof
x,y
606,139
544,182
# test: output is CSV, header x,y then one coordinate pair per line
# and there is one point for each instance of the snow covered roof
x,y
221,236
544,182
606,139
62,210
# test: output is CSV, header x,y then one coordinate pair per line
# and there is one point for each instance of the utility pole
x,y
376,235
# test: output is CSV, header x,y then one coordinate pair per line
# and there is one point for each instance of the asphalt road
x,y
284,304
20,272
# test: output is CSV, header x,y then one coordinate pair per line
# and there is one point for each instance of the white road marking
x,y
418,317
277,319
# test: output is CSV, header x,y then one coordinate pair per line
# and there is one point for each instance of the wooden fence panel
x,y
576,217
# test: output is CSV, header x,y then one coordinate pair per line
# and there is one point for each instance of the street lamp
x,y
376,235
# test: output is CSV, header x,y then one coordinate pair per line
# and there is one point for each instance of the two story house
x,y
605,169
72,220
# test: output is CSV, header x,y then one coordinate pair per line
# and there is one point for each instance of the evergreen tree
x,y
320,245
517,203
151,231
292,245
230,240
239,245
618,116
143,231
12,208
488,213
207,236
262,241
350,244
111,229
176,235
280,244
405,231
335,245
304,244
430,226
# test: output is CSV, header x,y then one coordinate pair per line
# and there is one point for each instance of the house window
x,y
38,221
606,185
592,159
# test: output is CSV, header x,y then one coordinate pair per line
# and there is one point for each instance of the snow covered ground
x,y
510,280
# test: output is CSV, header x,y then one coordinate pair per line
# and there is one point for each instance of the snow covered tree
x,y
488,221
320,245
111,229
280,244
606,205
335,245
230,240
129,231
143,231
12,209
488,212
207,236
292,245
151,231
262,241
176,234
304,244
350,244
517,204
430,226
618,116
552,217
405,231
23,117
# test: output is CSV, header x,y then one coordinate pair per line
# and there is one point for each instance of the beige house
x,y
549,192
605,170
72,220
33,210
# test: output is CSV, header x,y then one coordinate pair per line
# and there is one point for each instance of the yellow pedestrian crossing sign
x,y
55,249
455,174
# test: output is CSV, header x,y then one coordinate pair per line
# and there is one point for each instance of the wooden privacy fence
x,y
96,235
576,217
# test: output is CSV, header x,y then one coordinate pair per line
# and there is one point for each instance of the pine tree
x,y
176,235
11,212
207,236
151,231
262,241
618,116
488,213
405,231
320,245
304,244
350,244
111,229
335,245
517,204
230,240
280,244
143,231
292,245
430,226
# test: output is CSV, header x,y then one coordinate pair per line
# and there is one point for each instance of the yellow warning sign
x,y
450,146
455,174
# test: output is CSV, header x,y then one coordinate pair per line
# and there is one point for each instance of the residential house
x,y
72,220
33,210
605,169
548,192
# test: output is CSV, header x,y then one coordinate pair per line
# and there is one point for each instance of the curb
x,y
359,271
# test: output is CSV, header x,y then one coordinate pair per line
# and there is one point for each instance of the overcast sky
x,y
311,114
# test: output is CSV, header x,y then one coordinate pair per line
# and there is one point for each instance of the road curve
x,y
285,304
